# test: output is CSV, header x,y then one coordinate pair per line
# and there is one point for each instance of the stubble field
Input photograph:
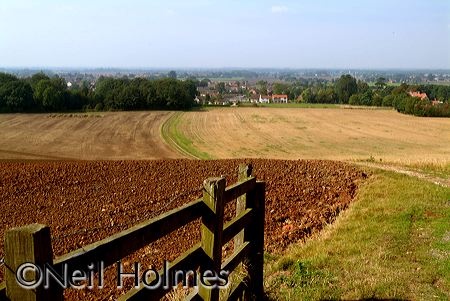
x,y
335,134
92,136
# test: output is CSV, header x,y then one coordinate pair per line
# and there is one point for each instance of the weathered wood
x,y
29,244
235,226
3,291
244,173
118,246
212,230
190,260
234,260
32,244
238,292
255,233
239,189
193,296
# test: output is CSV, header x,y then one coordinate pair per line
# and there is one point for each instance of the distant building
x,y
279,98
422,96
264,98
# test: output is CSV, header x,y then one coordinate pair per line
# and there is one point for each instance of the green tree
x,y
172,74
380,84
220,87
16,96
345,87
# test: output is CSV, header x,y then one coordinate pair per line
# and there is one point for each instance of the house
x,y
254,98
422,96
264,98
279,98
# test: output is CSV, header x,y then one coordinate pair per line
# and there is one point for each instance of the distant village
x,y
235,92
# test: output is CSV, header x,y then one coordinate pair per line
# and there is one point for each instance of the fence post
x,y
245,171
211,231
28,244
255,234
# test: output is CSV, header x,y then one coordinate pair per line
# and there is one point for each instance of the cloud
x,y
279,9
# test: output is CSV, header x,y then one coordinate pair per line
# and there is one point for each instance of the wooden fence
x,y
32,243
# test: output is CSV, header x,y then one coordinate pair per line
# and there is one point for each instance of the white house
x,y
279,98
264,98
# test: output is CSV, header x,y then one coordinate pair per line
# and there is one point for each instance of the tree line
x,y
40,93
349,90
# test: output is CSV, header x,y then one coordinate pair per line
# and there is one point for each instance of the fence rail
x,y
32,243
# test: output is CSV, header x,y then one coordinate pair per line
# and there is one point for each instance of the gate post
x,y
29,244
211,231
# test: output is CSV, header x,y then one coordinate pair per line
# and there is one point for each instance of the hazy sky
x,y
207,33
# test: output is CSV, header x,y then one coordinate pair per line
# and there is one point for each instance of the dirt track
x,y
84,202
102,136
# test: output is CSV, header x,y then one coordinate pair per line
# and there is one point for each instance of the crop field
x,y
325,133
91,136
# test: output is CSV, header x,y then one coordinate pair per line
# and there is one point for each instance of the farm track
x,y
85,201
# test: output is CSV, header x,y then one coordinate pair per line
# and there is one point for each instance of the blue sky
x,y
208,34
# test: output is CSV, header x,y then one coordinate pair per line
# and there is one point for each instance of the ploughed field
x,y
85,201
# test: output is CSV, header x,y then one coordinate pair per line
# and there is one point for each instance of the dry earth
x,y
336,134
103,136
84,202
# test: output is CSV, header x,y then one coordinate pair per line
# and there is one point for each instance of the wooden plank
x,y
234,191
29,244
190,260
255,233
234,260
193,296
233,227
117,246
245,172
3,291
212,230
238,292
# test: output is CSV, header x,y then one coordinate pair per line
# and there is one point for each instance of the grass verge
x,y
392,243
171,134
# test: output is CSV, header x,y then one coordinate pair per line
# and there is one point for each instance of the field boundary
x,y
173,137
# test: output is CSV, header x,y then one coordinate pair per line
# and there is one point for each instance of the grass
x,y
315,133
392,243
171,134
299,105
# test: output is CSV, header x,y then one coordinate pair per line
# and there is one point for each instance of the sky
x,y
357,34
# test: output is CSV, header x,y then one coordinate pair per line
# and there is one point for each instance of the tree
x,y
261,86
16,96
345,87
51,94
172,74
380,84
221,88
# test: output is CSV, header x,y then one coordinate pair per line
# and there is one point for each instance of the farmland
x,y
84,202
336,134
91,136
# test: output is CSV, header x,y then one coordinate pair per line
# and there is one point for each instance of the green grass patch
x,y
392,243
170,131
299,105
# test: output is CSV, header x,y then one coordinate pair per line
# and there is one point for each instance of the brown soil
x,y
84,202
